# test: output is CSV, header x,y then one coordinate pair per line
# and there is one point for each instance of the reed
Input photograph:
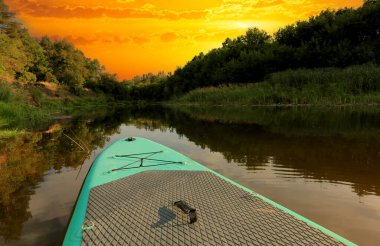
x,y
325,86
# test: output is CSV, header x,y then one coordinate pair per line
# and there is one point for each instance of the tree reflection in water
x,y
327,144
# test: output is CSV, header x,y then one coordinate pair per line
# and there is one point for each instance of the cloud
x,y
125,1
148,6
148,11
141,39
168,37
138,39
265,4
232,9
80,40
121,40
258,10
229,10
93,39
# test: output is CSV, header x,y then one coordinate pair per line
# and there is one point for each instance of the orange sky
x,y
132,37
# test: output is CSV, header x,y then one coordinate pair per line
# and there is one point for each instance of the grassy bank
x,y
328,86
35,106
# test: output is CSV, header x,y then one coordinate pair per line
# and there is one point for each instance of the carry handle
x,y
192,212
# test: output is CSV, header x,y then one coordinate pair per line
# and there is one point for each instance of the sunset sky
x,y
132,37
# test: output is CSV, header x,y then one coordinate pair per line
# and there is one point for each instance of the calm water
x,y
323,163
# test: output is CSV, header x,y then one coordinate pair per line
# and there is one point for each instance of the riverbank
x,y
355,85
36,106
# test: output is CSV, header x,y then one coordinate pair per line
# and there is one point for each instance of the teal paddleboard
x,y
139,192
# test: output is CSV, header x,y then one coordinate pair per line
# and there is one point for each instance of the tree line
x,y
334,38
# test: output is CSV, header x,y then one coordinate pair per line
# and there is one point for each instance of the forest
x,y
332,39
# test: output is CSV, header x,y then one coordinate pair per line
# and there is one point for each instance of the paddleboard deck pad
x,y
132,202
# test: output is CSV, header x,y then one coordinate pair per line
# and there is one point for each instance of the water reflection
x,y
322,144
332,158
339,146
25,160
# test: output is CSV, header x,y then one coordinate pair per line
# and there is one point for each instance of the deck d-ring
x,y
88,225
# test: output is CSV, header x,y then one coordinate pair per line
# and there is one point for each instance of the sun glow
x,y
245,26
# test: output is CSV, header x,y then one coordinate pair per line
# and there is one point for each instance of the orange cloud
x,y
168,37
79,40
140,39
125,1
264,4
93,40
31,8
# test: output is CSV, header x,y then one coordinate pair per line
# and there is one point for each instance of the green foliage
x,y
22,115
9,133
13,59
25,59
37,96
352,80
22,57
19,116
5,92
69,65
148,78
26,76
352,85
148,92
108,84
8,24
38,65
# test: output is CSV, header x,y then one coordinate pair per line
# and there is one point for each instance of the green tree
x,y
69,65
13,59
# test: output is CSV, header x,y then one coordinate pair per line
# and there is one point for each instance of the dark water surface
x,y
323,163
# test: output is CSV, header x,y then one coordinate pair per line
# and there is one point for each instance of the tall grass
x,y
353,80
5,91
27,108
19,115
352,85
8,133
15,113
22,116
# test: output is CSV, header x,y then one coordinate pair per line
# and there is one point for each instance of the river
x,y
323,163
